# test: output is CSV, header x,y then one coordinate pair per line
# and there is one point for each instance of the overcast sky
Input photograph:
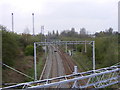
x,y
94,15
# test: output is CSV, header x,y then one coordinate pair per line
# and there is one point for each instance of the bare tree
x,y
82,31
26,30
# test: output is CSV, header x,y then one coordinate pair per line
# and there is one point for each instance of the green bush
x,y
80,48
10,47
106,51
29,50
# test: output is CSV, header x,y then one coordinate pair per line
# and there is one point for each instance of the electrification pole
x,y
85,47
33,23
119,17
45,49
42,32
35,66
93,46
12,22
66,47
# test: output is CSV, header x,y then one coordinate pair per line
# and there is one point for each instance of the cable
x,y
16,70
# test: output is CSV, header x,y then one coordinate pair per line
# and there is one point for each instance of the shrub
x,y
29,50
10,47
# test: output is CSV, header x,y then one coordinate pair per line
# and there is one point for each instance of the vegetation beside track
x,y
107,44
17,52
106,52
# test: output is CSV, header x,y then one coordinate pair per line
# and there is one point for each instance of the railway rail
x,y
57,65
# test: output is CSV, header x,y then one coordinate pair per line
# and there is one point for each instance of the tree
x,y
64,33
107,32
26,30
26,37
10,46
57,33
69,33
82,31
110,30
53,32
73,30
48,33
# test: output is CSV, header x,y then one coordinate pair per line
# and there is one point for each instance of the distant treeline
x,y
106,43
83,33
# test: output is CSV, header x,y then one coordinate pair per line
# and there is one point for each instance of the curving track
x,y
57,64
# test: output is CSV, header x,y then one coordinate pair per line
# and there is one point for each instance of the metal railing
x,y
99,78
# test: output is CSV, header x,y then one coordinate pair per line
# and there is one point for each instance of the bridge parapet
x,y
99,78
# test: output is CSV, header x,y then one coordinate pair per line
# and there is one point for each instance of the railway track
x,y
53,65
68,64
54,70
57,64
